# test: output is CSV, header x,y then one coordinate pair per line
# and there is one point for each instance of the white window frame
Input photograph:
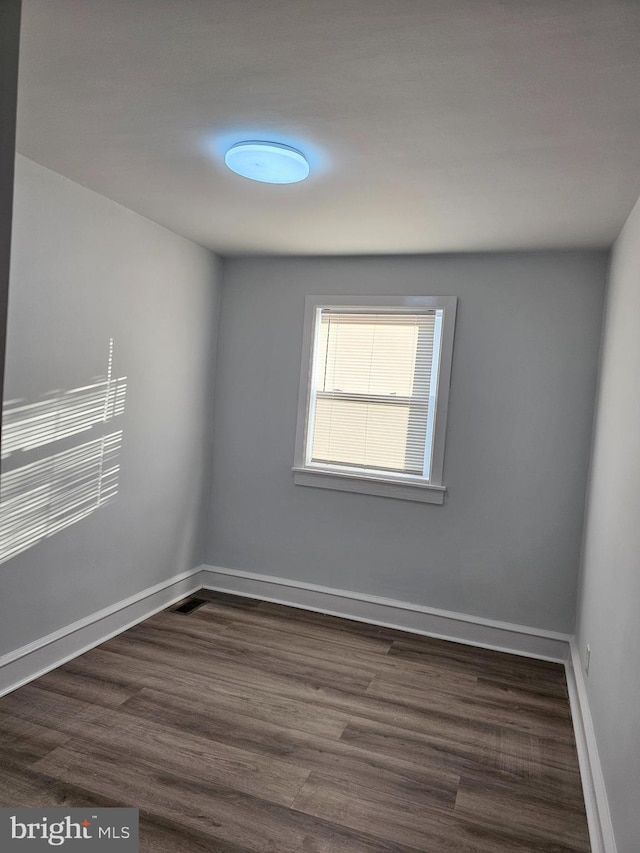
x,y
404,486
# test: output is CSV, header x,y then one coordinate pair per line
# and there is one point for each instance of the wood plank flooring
x,y
248,726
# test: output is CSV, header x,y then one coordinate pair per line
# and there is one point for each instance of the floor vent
x,y
189,605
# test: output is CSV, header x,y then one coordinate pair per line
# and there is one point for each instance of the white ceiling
x,y
432,125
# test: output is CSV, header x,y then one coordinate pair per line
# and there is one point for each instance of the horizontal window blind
x,y
372,390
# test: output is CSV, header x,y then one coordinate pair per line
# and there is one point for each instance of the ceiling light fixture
x,y
269,162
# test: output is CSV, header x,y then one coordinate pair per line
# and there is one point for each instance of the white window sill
x,y
369,485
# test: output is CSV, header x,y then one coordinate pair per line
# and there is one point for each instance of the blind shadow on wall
x,y
60,459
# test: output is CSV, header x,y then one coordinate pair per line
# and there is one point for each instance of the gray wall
x,y
506,543
9,44
610,584
85,270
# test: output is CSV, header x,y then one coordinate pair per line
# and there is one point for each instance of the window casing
x,y
374,394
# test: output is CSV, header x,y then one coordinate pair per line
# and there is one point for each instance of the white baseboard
x,y
595,794
37,658
459,627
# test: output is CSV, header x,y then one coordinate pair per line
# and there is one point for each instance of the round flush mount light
x,y
268,162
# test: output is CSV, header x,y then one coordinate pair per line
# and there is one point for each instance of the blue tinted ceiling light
x,y
269,162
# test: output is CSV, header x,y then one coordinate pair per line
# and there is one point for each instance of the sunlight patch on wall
x,y
42,495
65,414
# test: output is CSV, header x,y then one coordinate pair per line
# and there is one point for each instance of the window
x,y
373,395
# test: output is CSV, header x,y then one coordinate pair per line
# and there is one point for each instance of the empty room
x,y
320,478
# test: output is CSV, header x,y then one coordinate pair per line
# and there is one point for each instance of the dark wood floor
x,y
248,726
